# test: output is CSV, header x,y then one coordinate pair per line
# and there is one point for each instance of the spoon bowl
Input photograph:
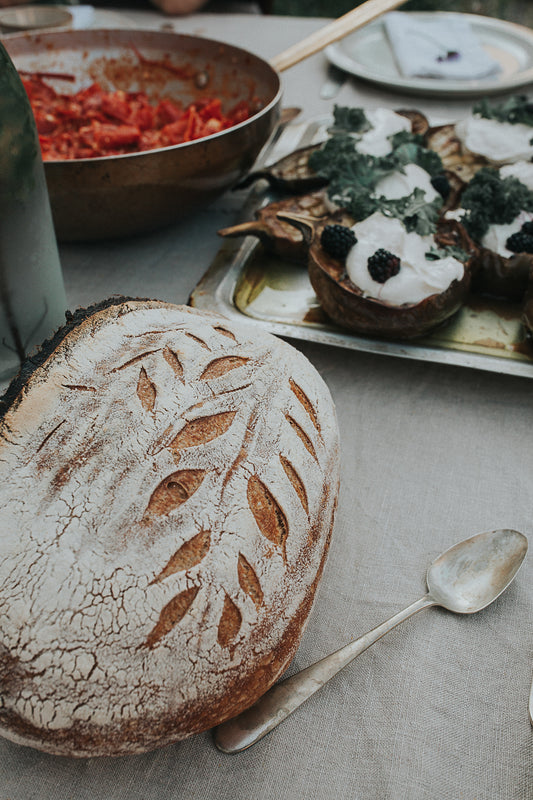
x,y
472,574
464,579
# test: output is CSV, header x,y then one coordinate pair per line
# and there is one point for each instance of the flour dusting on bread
x,y
168,482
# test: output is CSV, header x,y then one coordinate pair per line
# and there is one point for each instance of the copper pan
x,y
115,196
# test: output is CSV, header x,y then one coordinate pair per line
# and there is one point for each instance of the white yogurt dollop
x,y
396,185
418,277
497,235
500,142
385,123
401,184
522,170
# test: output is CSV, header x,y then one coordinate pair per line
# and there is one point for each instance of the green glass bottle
x,y
32,294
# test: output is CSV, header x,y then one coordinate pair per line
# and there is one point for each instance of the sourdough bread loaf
x,y
168,481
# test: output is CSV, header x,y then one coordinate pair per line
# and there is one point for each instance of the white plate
x,y
367,54
27,18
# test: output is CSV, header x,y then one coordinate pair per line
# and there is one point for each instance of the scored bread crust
x,y
168,482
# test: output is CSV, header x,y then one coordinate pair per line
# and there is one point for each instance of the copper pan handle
x,y
348,23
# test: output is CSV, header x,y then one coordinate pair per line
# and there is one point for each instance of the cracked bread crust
x,y
168,482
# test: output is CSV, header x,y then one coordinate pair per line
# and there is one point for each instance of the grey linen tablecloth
x,y
431,454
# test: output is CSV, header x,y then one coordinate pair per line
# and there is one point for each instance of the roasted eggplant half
x,y
356,179
493,134
443,139
527,312
290,174
498,276
497,211
278,236
350,307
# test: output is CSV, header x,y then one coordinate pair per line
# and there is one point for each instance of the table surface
x,y
430,454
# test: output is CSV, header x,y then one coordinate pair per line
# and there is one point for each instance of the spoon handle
x,y
285,697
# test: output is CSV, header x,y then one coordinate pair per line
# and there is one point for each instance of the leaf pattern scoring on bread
x,y
174,490
184,507
146,391
172,358
189,555
201,430
171,614
219,367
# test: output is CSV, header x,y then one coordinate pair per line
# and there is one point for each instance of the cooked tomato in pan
x,y
92,122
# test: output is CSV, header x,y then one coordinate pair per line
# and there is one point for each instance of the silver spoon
x,y
464,579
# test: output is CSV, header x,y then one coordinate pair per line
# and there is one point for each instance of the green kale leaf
x,y
358,202
412,153
492,200
405,137
516,109
364,171
450,250
333,155
353,176
349,120
414,212
349,172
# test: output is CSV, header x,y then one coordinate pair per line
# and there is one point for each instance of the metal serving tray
x,y
247,284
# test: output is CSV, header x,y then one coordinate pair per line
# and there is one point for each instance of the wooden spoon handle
x,y
333,32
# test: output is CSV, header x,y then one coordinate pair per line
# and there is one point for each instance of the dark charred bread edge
x,y
37,358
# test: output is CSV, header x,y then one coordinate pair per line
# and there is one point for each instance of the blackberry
x,y
520,242
383,265
527,227
441,184
337,240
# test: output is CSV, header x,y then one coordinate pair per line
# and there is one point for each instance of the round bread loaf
x,y
168,481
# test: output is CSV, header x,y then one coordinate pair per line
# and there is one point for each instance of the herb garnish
x,y
492,200
353,176
449,250
516,109
411,151
405,137
415,213
349,120
339,160
358,201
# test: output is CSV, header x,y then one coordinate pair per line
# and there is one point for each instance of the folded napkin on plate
x,y
442,47
82,16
